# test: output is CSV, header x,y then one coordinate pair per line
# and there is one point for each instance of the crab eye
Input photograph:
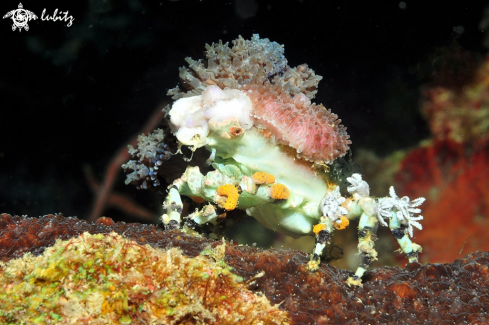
x,y
235,131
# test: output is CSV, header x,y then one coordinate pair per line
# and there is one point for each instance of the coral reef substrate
x,y
455,293
107,279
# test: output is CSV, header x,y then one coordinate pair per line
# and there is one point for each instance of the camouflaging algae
x,y
106,279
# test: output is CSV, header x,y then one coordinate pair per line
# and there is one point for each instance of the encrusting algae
x,y
107,279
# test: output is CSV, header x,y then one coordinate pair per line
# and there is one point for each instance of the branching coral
x,y
455,293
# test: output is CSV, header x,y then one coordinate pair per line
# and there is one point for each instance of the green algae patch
x,y
107,279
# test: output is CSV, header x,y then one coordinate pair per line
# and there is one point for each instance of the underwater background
x,y
72,97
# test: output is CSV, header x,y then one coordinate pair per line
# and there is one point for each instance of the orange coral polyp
x,y
263,178
342,224
231,194
319,227
279,192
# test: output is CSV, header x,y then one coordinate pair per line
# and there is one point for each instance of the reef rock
x,y
455,293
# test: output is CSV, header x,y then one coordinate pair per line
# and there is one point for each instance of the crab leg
x,y
189,184
323,233
226,197
408,247
367,234
173,205
205,215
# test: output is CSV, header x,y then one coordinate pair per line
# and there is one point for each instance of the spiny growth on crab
x,y
257,59
262,91
311,129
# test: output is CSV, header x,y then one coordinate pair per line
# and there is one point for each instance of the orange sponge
x,y
342,224
263,178
279,192
231,192
317,228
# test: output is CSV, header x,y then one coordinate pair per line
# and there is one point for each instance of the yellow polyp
x,y
263,178
313,265
231,194
343,224
319,227
279,192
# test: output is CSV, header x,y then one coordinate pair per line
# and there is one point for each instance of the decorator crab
x,y
270,148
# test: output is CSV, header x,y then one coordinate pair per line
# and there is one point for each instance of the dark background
x,y
71,96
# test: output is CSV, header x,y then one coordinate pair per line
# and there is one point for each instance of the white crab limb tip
x,y
358,186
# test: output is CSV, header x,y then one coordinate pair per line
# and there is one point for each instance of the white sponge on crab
x,y
190,116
